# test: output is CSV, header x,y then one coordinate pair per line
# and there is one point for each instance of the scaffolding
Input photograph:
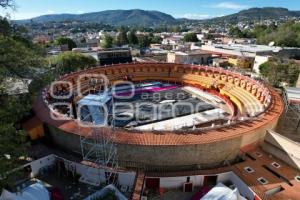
x,y
100,148
291,98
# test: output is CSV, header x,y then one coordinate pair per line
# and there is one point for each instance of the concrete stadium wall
x,y
67,141
169,156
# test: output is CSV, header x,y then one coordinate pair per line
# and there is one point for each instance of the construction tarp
x,y
95,100
110,188
35,191
222,192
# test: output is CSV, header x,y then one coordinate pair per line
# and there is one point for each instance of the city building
x,y
114,56
220,62
88,51
259,53
241,62
190,57
173,40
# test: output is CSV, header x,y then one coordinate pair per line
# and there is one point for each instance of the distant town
x,y
244,46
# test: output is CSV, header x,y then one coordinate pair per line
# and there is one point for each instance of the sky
x,y
193,9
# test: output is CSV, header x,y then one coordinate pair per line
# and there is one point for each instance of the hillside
x,y
112,17
138,17
256,14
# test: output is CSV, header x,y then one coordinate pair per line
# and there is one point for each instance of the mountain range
x,y
137,17
112,17
256,14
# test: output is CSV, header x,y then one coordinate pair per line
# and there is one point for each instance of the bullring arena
x,y
236,114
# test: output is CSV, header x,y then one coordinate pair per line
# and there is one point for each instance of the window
x,y
262,180
249,170
275,164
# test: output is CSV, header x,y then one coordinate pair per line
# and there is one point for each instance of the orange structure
x,y
259,108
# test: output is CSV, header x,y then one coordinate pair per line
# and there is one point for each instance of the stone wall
x,y
169,156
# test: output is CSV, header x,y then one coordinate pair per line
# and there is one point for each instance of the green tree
x,y
71,61
122,37
20,58
154,39
144,41
7,3
190,37
175,29
5,28
107,42
277,71
66,41
236,32
286,34
132,38
12,137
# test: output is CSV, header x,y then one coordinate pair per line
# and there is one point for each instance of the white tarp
x,y
222,192
94,100
96,105
185,121
33,192
104,191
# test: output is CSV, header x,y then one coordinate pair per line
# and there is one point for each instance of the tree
x,y
236,32
20,58
66,41
7,3
144,41
209,36
154,39
132,38
12,138
122,37
277,71
175,29
5,28
190,37
72,61
107,42
286,34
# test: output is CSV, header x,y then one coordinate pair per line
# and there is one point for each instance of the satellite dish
x,y
271,44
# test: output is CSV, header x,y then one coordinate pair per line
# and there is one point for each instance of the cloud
x,y
196,16
230,5
50,12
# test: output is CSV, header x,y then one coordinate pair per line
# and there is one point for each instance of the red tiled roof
x,y
289,191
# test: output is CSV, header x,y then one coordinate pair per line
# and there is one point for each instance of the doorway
x,y
210,180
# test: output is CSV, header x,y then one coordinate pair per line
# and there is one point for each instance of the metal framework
x,y
292,109
100,148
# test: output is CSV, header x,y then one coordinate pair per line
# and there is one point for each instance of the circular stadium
x,y
159,115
